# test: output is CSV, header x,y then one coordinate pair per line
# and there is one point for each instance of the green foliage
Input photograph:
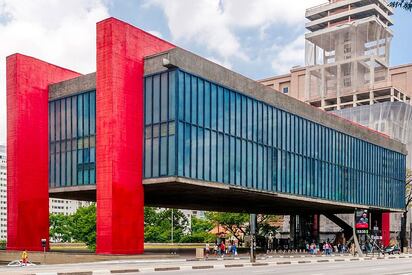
x,y
201,225
80,226
3,244
60,227
158,225
403,4
198,237
83,226
235,223
238,223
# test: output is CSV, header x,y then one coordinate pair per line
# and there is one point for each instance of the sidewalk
x,y
151,266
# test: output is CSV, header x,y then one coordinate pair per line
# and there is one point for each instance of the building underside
x,y
183,193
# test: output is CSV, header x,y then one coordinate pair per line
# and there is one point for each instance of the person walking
x,y
222,248
207,250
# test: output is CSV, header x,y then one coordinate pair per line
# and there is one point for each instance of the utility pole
x,y
172,225
252,225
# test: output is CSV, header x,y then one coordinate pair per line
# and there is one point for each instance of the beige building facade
x,y
398,88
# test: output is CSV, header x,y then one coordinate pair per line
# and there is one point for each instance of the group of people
x,y
221,249
314,249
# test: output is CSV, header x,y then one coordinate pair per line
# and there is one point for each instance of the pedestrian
x,y
222,248
24,257
207,250
216,249
234,249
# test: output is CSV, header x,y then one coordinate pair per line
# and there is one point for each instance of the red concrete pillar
x,y
315,227
119,130
386,234
27,149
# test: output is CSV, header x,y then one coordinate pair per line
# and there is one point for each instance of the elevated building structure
x,y
157,125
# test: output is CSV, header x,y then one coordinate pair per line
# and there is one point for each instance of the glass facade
x,y
72,140
197,129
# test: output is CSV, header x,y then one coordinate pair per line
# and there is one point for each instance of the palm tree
x,y
404,4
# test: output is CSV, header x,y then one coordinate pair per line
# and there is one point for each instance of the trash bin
x,y
200,253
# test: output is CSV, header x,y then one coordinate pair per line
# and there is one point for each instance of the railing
x,y
316,7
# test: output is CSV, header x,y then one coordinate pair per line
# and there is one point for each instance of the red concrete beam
x,y
121,49
27,149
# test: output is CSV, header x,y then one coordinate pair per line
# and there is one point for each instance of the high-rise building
x,y
347,72
65,207
3,193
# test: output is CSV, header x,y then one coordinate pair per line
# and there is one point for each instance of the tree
x,y
408,200
404,4
60,227
83,226
235,223
199,232
158,225
238,223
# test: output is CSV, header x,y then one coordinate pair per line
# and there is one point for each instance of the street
x,y
316,267
395,266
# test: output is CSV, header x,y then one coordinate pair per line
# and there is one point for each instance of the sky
x,y
258,38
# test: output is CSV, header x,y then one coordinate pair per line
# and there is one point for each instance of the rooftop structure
x,y
347,53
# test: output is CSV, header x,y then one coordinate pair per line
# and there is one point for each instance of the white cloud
x,y
217,25
156,33
288,55
59,32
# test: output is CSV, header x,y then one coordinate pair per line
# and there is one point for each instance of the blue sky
x,y
258,38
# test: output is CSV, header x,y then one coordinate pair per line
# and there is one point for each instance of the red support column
x,y
27,149
386,234
119,130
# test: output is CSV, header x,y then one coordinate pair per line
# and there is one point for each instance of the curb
x,y
220,266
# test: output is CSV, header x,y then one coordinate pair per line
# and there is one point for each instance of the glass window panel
x,y
172,94
200,100
194,105
187,149
181,95
172,155
180,148
226,110
238,112
188,102
207,103
63,120
163,152
226,155
164,96
79,116
207,151
74,114
213,105
93,113
200,153
220,110
86,110
58,119
156,98
155,157
220,163
52,126
68,118
193,159
213,156
148,153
